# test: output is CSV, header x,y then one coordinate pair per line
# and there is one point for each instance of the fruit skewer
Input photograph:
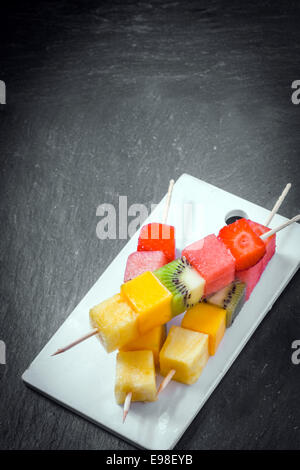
x,y
206,319
203,319
145,302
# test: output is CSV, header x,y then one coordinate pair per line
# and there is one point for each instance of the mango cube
x,y
208,319
135,373
150,299
186,352
116,322
151,341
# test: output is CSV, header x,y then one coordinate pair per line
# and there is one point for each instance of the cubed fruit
x,y
245,245
208,319
135,372
116,321
158,237
150,299
252,275
269,242
151,341
186,352
231,298
141,261
184,282
213,261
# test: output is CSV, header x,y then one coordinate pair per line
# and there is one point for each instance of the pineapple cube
x,y
135,373
207,319
116,322
186,352
150,299
151,341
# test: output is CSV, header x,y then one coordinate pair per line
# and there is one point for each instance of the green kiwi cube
x,y
184,282
231,298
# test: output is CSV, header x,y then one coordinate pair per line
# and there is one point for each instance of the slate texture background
x,y
114,98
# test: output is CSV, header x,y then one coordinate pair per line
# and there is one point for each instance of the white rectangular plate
x,y
82,379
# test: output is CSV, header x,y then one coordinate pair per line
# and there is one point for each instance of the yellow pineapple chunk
x,y
135,373
150,299
186,352
151,341
116,322
207,319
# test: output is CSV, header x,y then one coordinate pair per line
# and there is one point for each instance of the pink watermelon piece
x,y
141,261
213,261
252,275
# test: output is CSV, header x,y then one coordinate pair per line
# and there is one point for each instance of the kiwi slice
x,y
184,282
231,298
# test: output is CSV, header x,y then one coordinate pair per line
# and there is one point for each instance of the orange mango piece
x,y
208,319
149,299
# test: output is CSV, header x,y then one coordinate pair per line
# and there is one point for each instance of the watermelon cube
x,y
158,237
213,261
142,261
252,275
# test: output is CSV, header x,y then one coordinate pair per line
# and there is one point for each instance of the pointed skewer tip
x,y
127,403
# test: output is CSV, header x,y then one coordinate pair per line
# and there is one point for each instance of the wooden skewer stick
x,y
127,403
167,206
93,332
280,227
278,204
166,380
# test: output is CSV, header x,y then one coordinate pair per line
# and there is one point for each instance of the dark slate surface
x,y
114,98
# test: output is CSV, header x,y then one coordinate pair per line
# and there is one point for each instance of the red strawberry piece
x,y
158,237
270,242
244,244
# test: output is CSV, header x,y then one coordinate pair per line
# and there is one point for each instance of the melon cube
x,y
158,237
186,352
141,261
151,341
150,299
135,372
208,319
116,321
213,261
